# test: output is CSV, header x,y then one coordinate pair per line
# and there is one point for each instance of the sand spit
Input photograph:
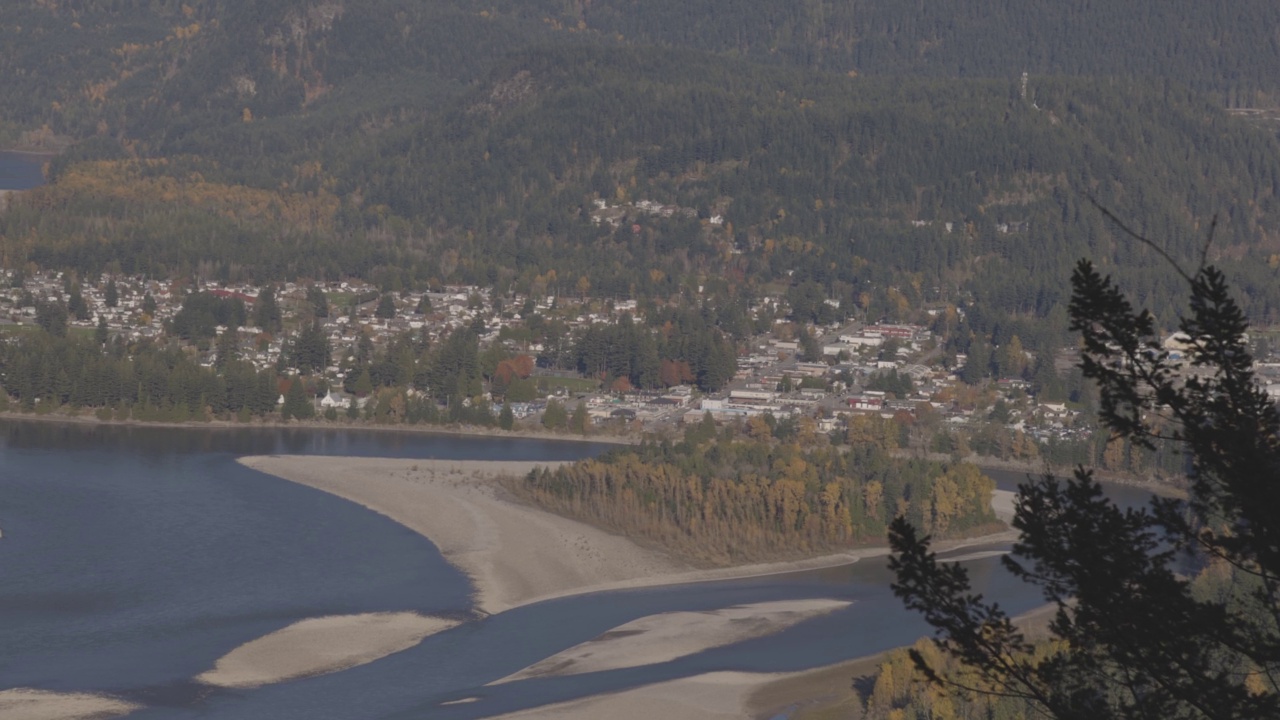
x,y
26,704
1003,503
321,645
667,636
713,696
513,553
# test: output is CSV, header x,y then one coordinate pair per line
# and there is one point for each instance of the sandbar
x,y
712,696
513,553
825,691
667,636
516,554
28,704
1003,503
317,646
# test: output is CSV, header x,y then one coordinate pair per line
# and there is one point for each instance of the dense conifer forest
x,y
863,146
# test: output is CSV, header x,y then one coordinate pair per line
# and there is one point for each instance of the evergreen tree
x,y
52,316
76,304
112,295
554,417
810,350
319,302
149,303
101,335
581,420
507,418
386,307
1139,635
227,349
310,350
363,384
296,402
266,311
1045,382
976,366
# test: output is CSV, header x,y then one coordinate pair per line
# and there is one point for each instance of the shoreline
x,y
984,463
453,430
516,554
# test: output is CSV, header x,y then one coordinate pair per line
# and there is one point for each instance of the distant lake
x,y
21,171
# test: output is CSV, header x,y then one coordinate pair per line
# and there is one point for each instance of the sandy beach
x,y
667,636
25,704
321,645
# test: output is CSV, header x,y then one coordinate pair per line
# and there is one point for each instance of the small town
x,y
861,370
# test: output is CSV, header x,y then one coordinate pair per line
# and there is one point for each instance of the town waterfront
x,y
134,557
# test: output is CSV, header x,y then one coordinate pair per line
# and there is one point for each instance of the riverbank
x,y
448,430
516,554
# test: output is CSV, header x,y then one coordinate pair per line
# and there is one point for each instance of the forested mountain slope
x,y
154,68
828,178
1228,50
858,184
405,141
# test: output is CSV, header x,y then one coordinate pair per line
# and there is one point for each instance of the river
x,y
134,557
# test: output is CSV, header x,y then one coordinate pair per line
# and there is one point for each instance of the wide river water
x,y
133,558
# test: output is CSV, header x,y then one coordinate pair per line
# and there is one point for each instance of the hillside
x,y
153,70
888,154
824,177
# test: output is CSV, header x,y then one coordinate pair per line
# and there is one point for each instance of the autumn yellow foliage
x,y
146,183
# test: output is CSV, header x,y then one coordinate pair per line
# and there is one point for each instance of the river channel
x,y
133,558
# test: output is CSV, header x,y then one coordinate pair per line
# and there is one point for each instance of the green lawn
x,y
573,385
32,328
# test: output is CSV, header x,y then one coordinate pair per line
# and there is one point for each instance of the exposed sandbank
x,y
667,636
713,696
822,692
515,554
27,704
321,645
1003,503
